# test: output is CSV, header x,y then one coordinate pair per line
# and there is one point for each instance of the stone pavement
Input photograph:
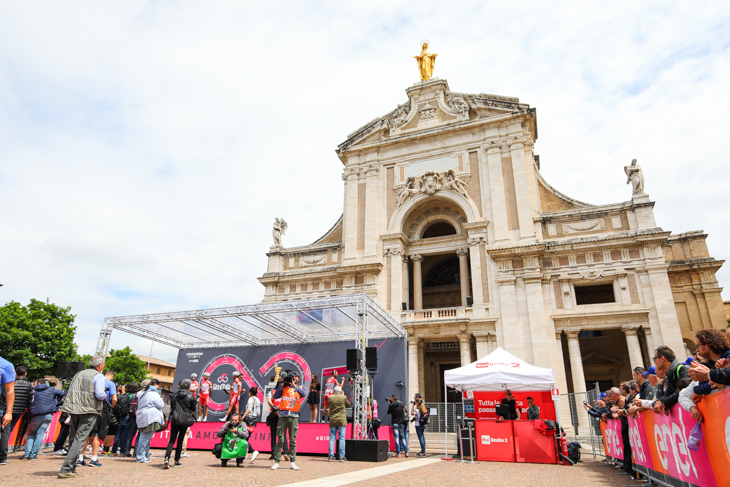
x,y
202,469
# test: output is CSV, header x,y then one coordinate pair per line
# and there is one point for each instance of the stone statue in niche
x,y
635,176
431,182
280,227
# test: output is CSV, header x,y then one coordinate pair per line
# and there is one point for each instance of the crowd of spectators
x,y
666,383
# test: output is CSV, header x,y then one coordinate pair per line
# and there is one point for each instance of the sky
x,y
146,147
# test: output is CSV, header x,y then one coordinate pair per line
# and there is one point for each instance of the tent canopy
x,y
498,371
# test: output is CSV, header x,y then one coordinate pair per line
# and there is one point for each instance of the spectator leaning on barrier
x,y
666,361
713,345
646,389
84,402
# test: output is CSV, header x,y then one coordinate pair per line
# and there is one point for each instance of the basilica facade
x,y
448,224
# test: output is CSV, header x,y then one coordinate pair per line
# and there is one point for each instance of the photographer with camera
x,y
399,419
235,441
290,394
419,411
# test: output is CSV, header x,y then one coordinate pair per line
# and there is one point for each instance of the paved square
x,y
204,470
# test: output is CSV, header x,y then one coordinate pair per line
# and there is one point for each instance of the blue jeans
x,y
36,430
123,430
142,448
339,431
421,439
399,433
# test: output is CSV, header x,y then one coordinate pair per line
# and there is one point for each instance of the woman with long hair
x,y
313,398
182,416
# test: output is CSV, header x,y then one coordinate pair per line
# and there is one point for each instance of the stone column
x,y
562,384
579,380
665,308
417,283
350,221
496,186
632,342
491,343
649,341
421,374
482,339
465,347
522,189
412,368
463,274
536,312
576,362
371,210
396,279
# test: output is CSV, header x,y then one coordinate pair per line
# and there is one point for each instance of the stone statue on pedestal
x,y
635,176
280,227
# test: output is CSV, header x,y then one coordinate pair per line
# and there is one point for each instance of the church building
x,y
449,225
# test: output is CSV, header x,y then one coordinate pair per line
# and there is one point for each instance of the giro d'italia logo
x,y
221,369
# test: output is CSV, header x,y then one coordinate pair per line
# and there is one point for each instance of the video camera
x,y
287,378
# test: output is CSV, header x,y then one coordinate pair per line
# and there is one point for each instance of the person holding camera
x,y
290,394
419,411
399,419
235,444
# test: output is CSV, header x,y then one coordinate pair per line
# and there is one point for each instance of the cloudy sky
x,y
146,147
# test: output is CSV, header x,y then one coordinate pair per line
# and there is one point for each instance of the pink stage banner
x,y
311,437
660,442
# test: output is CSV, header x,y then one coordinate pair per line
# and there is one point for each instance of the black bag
x,y
217,450
183,418
426,417
574,451
121,408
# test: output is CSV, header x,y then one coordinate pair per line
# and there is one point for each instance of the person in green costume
x,y
235,444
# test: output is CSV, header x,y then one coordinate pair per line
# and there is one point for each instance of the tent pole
x,y
446,424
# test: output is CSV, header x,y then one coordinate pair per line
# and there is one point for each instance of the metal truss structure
x,y
359,400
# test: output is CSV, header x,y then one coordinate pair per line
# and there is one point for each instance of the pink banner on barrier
x,y
311,437
660,442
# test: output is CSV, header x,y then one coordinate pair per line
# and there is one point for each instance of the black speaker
x,y
353,359
371,358
366,450
348,415
66,370
469,301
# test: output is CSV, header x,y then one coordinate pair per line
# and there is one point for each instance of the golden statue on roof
x,y
426,62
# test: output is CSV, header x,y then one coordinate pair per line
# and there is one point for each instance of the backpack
x,y
133,405
425,417
121,408
574,451
180,417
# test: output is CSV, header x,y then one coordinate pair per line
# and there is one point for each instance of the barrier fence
x,y
660,445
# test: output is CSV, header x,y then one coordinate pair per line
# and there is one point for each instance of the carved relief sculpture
x,y
399,116
280,227
635,176
426,62
430,183
458,104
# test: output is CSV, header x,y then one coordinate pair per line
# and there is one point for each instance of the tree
x,y
127,367
38,336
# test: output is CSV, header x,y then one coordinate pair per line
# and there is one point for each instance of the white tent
x,y
498,371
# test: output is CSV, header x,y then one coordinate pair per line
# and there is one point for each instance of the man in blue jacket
x,y
42,407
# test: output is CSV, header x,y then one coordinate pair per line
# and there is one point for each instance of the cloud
x,y
146,148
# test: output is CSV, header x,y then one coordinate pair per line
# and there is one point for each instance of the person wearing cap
x,y
206,387
646,390
511,404
235,392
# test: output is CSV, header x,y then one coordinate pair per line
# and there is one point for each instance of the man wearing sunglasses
x,y
665,360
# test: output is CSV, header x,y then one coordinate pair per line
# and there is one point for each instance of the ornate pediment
x,y
430,104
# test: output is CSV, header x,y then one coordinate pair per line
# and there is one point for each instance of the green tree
x,y
85,358
38,336
127,367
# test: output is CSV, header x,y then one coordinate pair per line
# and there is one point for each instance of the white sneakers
x,y
225,418
275,466
293,466
253,456
60,452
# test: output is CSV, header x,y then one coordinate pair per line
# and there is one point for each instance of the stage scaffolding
x,y
356,318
